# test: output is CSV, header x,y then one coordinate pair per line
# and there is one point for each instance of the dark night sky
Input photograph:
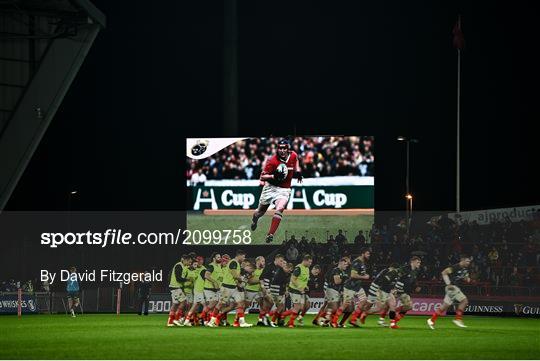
x,y
383,68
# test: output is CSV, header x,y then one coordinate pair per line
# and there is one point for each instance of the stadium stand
x,y
321,156
506,258
506,255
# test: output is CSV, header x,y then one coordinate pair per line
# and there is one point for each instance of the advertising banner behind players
x,y
307,197
9,303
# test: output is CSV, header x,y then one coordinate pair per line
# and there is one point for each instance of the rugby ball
x,y
281,171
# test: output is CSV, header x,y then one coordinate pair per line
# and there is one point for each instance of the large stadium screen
x,y
259,190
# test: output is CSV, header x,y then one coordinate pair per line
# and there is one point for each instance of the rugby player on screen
x,y
277,176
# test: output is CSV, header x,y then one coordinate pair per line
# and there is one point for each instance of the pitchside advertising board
x,y
338,172
302,197
9,304
508,306
161,303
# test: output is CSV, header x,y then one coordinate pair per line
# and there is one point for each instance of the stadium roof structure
x,y
43,43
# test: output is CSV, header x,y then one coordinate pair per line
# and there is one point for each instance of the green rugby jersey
x,y
198,285
228,279
301,272
216,271
178,276
191,276
257,286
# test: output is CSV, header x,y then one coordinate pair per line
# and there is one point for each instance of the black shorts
x,y
73,295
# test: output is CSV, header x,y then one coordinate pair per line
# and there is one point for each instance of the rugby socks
x,y
293,317
215,316
355,315
336,315
171,317
223,316
435,315
209,313
179,314
275,222
459,314
262,313
203,313
240,314
216,312
321,313
285,314
363,317
400,314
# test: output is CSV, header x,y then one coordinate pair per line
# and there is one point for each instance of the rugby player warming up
x,y
453,295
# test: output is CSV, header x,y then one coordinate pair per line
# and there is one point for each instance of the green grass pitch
x,y
310,226
137,337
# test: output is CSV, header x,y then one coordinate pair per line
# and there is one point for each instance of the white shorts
x,y
189,298
270,194
453,296
252,295
198,297
278,299
177,296
231,294
406,301
331,295
378,295
298,298
351,296
211,296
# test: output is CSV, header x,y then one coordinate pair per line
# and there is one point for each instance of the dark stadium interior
x,y
385,68
382,68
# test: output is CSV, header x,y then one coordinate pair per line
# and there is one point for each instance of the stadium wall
x,y
160,303
33,303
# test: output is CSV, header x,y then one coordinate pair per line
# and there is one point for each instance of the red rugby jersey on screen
x,y
273,162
